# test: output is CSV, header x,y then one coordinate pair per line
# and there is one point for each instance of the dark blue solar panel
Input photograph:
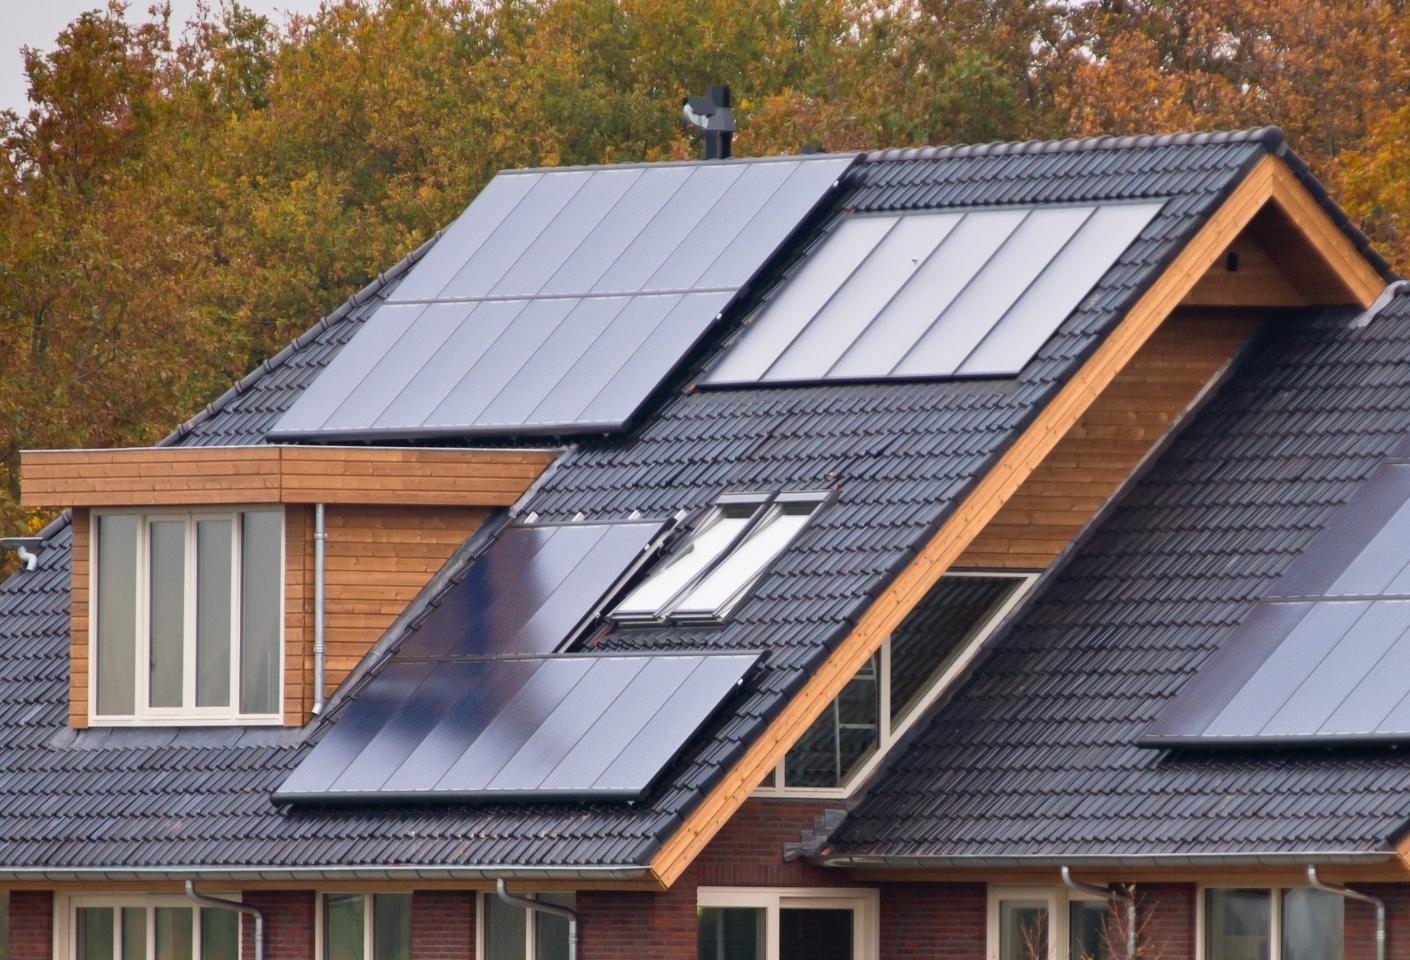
x,y
560,300
1322,658
576,726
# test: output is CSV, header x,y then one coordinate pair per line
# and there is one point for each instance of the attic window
x,y
898,683
731,548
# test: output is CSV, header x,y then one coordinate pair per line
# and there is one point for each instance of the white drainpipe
x,y
538,905
320,540
219,904
1316,883
1114,896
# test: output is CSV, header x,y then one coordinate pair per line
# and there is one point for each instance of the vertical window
x,y
1093,930
189,612
1262,924
894,687
785,924
1055,923
151,928
1238,925
359,926
513,933
1313,925
732,933
1023,929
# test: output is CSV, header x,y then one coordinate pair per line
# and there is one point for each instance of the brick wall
x,y
933,921
442,925
1166,920
288,924
31,925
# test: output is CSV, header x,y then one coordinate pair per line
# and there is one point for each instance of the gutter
x,y
1347,893
538,906
1113,896
219,904
1276,858
253,873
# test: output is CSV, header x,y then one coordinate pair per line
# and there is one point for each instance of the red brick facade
x,y
31,925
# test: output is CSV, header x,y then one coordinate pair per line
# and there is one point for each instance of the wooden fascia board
x,y
1268,180
1362,280
185,476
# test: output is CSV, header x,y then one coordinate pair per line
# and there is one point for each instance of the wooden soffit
x,y
186,476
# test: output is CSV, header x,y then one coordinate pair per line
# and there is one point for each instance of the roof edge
x,y
1270,136
1155,859
595,873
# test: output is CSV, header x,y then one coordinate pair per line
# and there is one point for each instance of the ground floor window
x,y
365,926
1259,923
786,924
1054,923
508,932
150,928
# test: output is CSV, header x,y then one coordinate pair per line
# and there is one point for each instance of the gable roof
x,y
125,801
1035,757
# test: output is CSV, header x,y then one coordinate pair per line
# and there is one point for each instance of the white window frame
x,y
531,931
143,714
1275,915
1059,900
368,934
888,735
66,906
864,903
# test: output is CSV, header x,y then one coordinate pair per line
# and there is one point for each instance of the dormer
x,y
196,570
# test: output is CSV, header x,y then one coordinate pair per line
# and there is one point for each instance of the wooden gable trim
x,y
1270,181
190,476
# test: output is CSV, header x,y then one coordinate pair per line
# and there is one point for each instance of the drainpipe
x,y
220,904
553,908
1114,896
320,540
1316,883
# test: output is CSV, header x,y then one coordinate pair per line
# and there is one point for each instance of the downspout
x,y
219,904
538,905
1115,896
320,540
1316,883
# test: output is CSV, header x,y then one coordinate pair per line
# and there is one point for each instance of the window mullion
x,y
142,705
188,619
237,547
883,698
1275,920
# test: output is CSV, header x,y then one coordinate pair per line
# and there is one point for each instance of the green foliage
x,y
181,200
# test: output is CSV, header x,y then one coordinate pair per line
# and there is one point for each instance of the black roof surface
x,y
899,455
1035,754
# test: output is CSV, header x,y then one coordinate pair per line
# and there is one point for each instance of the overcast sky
x,y
35,23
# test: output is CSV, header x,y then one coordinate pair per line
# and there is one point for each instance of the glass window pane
x,y
261,592
937,630
1236,924
167,616
550,932
117,614
731,933
134,933
220,934
1023,930
738,570
172,933
391,926
93,933
815,935
684,564
1090,929
343,937
213,579
506,930
1313,925
841,738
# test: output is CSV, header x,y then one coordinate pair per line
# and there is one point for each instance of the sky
x,y
35,23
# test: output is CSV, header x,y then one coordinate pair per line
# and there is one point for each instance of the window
x,y
508,932
726,555
362,926
189,613
1260,924
895,686
1054,923
786,924
149,928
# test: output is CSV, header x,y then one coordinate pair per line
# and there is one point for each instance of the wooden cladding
x,y
1101,450
187,476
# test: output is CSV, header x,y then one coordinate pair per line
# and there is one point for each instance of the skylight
x,y
730,550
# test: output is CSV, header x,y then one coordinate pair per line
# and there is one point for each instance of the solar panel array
x,y
1323,657
926,295
560,299
542,728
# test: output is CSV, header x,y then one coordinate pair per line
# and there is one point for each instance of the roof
x,y
899,455
1035,756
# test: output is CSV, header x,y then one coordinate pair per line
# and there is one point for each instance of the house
x,y
963,552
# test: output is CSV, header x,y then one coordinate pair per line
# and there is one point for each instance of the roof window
x,y
731,548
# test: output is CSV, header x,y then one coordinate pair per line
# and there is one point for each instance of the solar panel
x,y
928,295
1322,657
560,300
581,726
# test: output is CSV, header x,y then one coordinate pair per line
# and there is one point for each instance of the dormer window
x,y
187,616
731,548
896,685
